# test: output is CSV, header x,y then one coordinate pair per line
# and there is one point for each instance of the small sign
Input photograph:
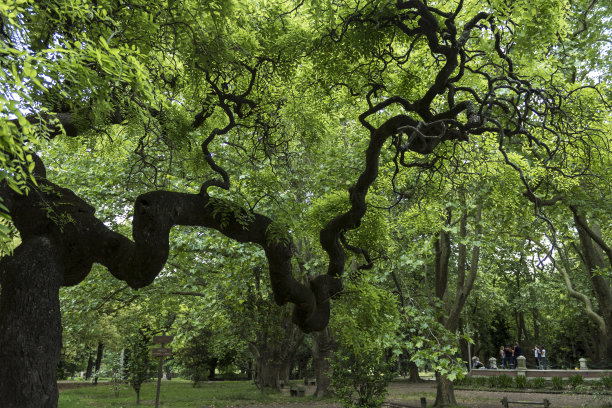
x,y
162,339
159,352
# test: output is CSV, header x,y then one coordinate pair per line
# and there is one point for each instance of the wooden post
x,y
159,377
161,353
423,402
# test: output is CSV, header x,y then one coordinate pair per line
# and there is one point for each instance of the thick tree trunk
x,y
285,370
212,368
445,393
99,354
30,325
269,375
322,347
414,373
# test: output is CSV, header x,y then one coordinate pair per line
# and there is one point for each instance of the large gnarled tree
x,y
179,74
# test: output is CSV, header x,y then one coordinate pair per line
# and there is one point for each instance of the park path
x,y
410,395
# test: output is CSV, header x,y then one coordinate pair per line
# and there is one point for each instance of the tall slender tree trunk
x,y
99,354
90,366
445,393
30,325
594,251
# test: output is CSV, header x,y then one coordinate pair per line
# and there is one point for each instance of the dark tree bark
x,y
212,368
413,373
30,325
90,365
99,353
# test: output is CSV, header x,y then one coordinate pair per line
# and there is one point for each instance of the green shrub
x,y
500,381
494,381
480,381
520,381
607,381
576,380
466,381
360,379
557,383
538,382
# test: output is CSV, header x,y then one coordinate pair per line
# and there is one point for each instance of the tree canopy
x,y
289,127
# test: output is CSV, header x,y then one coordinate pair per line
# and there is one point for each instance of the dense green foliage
x,y
437,173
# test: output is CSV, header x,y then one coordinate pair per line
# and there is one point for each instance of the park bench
x,y
506,403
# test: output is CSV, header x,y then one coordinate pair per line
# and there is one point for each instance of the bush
x,y
538,382
494,381
576,380
360,379
466,381
520,381
500,381
480,381
557,383
607,381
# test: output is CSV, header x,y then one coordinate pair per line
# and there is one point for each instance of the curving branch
x,y
588,306
50,210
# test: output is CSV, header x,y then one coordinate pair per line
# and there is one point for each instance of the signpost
x,y
161,353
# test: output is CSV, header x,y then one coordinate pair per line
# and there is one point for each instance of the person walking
x,y
542,358
536,354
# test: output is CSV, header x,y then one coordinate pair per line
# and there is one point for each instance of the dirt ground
x,y
409,395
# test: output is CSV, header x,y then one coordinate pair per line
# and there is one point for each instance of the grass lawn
x,y
176,393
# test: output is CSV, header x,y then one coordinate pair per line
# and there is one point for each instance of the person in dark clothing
x,y
517,353
508,357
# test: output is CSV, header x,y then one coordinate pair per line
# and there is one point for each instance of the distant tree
x,y
139,364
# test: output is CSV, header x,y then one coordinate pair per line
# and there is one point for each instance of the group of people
x,y
540,357
510,354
